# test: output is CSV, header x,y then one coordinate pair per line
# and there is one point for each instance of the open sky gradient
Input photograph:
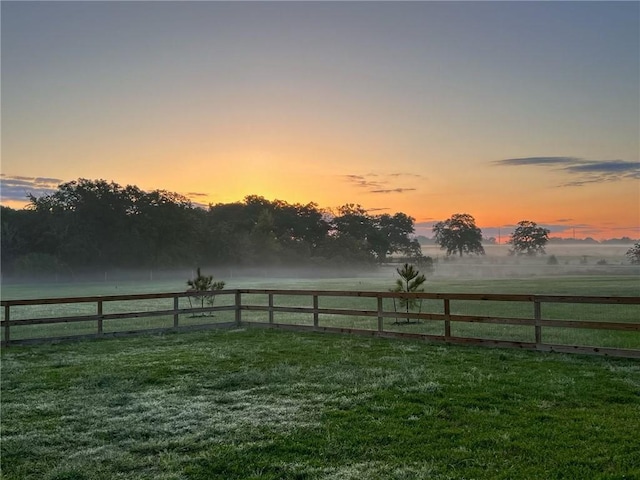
x,y
504,110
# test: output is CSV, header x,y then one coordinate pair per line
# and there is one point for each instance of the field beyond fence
x,y
601,325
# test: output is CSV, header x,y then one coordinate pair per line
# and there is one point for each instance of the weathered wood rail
x,y
238,305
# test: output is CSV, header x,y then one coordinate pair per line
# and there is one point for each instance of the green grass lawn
x,y
262,404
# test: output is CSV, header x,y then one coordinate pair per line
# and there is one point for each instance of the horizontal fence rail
x,y
367,313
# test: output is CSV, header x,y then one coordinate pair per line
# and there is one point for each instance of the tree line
x,y
90,225
94,224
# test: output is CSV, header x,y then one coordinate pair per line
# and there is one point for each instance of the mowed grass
x,y
264,404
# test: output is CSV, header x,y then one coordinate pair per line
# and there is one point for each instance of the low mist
x,y
560,260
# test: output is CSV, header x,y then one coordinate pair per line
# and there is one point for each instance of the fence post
x,y
176,306
271,308
238,306
315,311
447,321
537,315
100,317
7,319
380,317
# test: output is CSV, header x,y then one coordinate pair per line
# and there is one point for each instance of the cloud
x,y
606,171
392,190
361,181
582,171
377,209
381,183
16,188
537,161
413,175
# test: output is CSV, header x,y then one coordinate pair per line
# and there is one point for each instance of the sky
x,y
507,111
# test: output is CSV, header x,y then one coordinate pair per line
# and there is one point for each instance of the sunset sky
x,y
504,110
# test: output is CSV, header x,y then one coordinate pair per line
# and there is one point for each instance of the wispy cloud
x,y
582,171
382,183
196,194
537,161
377,209
196,198
16,188
393,190
607,171
362,181
410,175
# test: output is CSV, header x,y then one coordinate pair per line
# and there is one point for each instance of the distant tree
x,y
39,264
410,281
353,221
459,234
381,235
391,234
528,239
95,223
204,286
265,247
19,235
87,220
633,254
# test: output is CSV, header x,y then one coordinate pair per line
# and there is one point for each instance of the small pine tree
x,y
202,284
410,281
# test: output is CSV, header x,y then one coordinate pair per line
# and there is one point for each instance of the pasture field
x,y
264,404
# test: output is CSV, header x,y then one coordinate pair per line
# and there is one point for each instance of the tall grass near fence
x,y
265,404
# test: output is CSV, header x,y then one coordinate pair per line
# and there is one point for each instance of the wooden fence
x,y
245,306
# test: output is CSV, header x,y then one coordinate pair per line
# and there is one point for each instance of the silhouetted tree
x,y
382,235
459,234
89,224
528,239
391,234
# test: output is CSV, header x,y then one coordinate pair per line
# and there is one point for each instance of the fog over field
x,y
572,260
498,263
